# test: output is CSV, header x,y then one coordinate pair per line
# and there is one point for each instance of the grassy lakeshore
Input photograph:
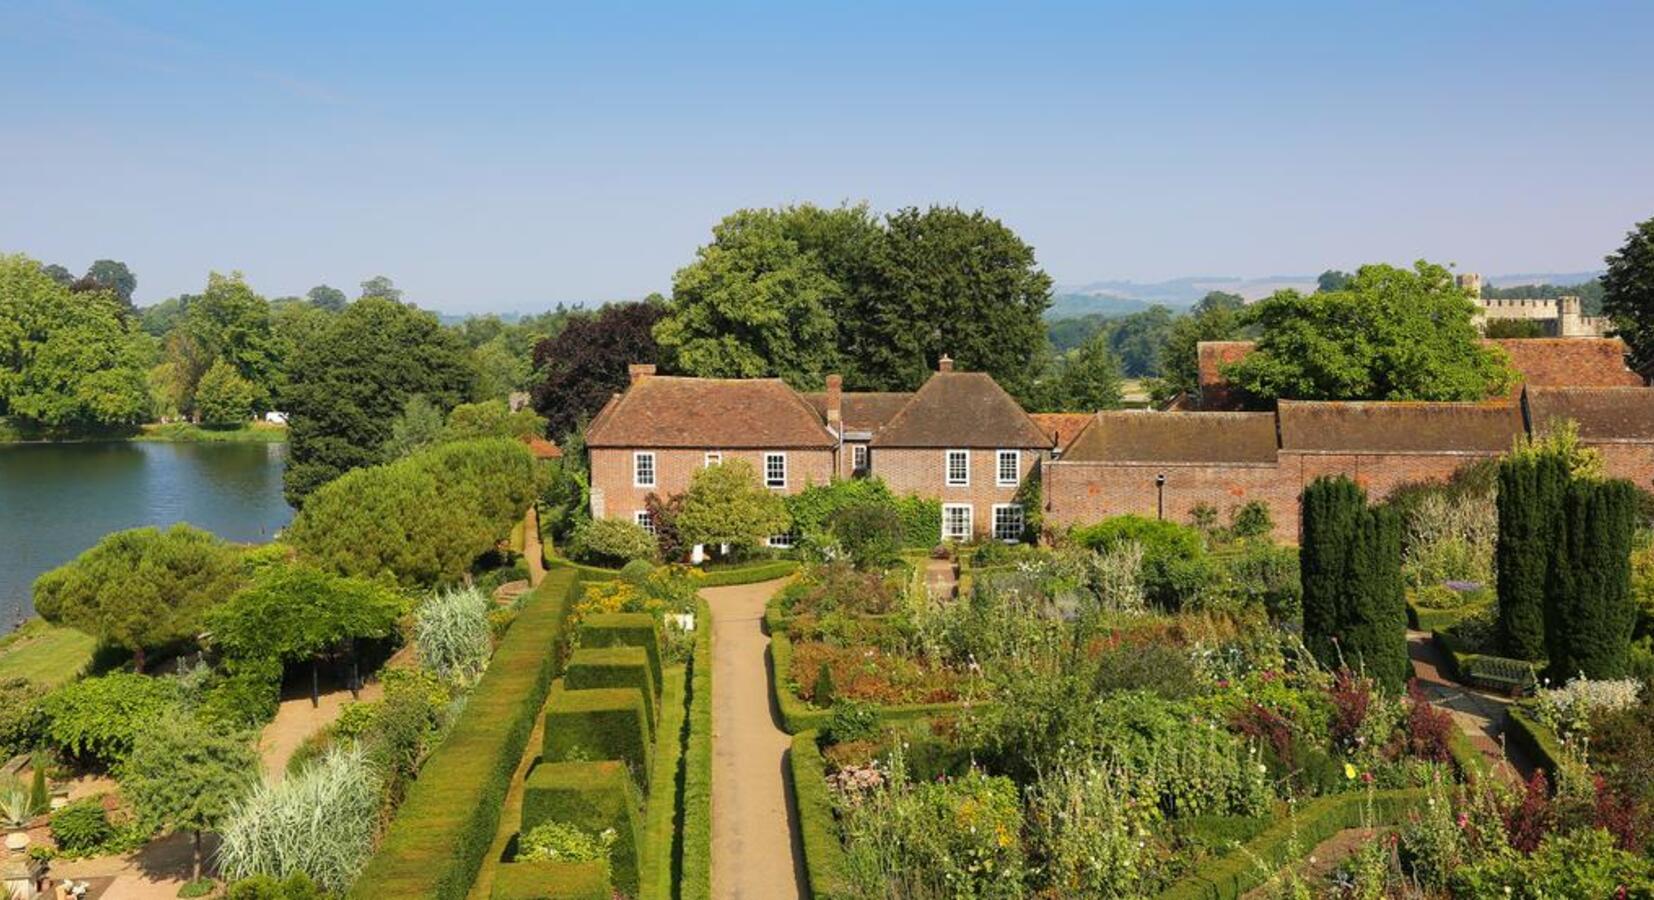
x,y
44,653
15,432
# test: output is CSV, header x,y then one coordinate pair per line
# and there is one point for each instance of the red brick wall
x,y
612,474
919,471
1633,462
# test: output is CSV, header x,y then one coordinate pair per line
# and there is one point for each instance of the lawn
x,y
251,433
47,654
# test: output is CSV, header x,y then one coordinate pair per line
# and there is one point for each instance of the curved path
x,y
755,848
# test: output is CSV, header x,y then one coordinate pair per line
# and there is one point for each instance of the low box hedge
x,y
595,796
695,881
823,854
613,667
599,723
750,574
1292,837
1533,738
552,880
662,814
1423,618
439,836
624,630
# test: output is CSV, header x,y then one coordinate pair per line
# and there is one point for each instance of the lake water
x,y
58,499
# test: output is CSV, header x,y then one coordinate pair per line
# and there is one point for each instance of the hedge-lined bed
x,y
693,853
823,855
1293,835
664,810
1533,738
440,835
748,573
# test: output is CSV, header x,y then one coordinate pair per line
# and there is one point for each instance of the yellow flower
x,y
1349,771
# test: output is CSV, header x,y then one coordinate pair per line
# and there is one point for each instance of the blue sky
x,y
508,156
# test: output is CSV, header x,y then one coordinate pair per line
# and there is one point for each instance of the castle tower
x,y
1470,282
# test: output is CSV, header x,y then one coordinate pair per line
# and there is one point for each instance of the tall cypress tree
x,y
1531,490
1589,612
1331,510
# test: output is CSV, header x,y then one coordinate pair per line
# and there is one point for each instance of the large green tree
x,y
141,589
231,323
1354,611
725,504
1088,377
1532,486
1628,295
186,776
1589,611
353,376
1180,357
113,276
327,298
67,360
223,397
1390,334
754,303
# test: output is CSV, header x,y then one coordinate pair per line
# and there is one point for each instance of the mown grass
x,y
45,654
186,432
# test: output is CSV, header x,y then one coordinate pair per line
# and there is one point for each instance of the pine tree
x,y
1531,490
1589,611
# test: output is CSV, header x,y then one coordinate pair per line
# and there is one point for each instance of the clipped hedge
x,y
587,573
437,841
763,571
796,714
823,854
614,667
1423,618
662,814
695,881
599,723
552,880
1291,837
595,796
624,630
1533,738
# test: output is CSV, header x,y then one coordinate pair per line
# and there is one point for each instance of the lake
x,y
59,499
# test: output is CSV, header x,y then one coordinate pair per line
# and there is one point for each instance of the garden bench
x,y
1513,676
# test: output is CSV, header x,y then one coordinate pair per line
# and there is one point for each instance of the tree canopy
x,y
186,776
1628,295
585,363
725,504
327,298
141,589
1391,334
66,359
353,376
294,612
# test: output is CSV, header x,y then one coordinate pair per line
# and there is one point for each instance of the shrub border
x,y
436,843
1536,739
1232,875
823,854
661,812
695,875
768,570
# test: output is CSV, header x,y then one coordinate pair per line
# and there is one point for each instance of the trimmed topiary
x,y
599,723
1531,491
625,630
552,880
1355,611
1589,612
613,667
595,796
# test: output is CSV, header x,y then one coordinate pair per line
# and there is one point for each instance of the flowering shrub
x,y
872,675
1094,831
1567,710
1429,730
840,587
567,843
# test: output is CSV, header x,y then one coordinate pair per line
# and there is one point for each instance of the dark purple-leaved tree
x,y
586,362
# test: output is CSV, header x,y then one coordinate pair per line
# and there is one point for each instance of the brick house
x,y
959,439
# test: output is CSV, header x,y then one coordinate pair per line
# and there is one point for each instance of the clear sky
x,y
507,156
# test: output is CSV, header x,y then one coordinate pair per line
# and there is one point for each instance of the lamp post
x,y
1160,496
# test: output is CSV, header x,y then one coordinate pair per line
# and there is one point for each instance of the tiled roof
x,y
862,410
1061,427
1569,362
1399,427
1210,356
1603,413
961,409
665,411
1175,437
542,448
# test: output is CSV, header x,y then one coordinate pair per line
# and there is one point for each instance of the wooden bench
x,y
1513,676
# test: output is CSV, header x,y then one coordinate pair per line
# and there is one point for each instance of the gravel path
x,y
755,854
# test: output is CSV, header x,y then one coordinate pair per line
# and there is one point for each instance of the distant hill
x,y
1118,298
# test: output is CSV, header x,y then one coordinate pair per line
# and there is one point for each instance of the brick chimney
x,y
945,364
835,401
640,371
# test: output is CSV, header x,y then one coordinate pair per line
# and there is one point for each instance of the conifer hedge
x,y
1589,613
1531,492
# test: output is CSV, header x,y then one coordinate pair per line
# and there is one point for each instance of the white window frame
x,y
970,523
858,457
637,465
1000,457
947,468
642,519
772,483
781,541
712,458
1021,520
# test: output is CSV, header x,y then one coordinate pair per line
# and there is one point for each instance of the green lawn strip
x,y
797,715
442,832
1293,837
511,815
1534,738
662,812
693,855
46,654
189,433
823,854
748,574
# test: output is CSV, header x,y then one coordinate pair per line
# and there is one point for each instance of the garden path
x,y
296,720
941,577
755,843
531,547
1479,714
